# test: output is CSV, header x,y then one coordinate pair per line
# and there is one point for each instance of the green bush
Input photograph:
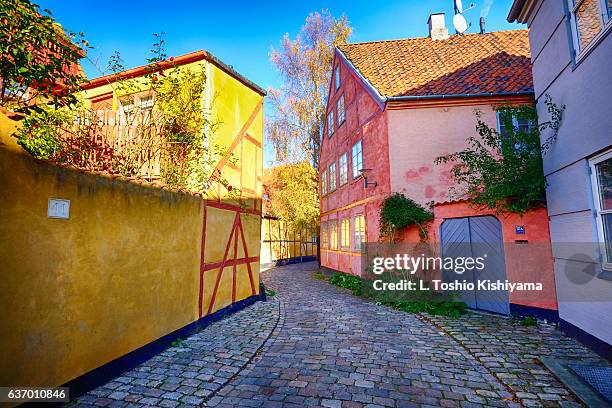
x,y
435,305
347,281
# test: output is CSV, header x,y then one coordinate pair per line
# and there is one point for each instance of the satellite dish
x,y
460,23
458,6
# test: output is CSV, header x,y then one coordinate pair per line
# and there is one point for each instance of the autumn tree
x,y
305,64
293,194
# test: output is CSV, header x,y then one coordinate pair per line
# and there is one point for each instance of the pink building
x,y
393,107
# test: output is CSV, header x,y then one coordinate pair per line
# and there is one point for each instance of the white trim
x,y
605,19
381,99
605,263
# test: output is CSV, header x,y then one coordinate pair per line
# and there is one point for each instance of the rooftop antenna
x,y
459,21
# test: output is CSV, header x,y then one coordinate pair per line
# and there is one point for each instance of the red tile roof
x,y
491,63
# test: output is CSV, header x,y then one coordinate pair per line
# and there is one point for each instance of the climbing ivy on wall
x,y
398,212
172,132
504,171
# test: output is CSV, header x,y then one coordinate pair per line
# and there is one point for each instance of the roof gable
x,y
474,64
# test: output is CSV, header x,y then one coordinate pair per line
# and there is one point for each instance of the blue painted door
x,y
477,237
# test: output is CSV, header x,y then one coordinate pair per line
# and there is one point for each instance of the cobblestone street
x,y
317,345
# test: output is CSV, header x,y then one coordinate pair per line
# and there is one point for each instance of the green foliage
x,y
293,194
347,281
270,292
431,304
319,276
528,321
173,132
178,343
37,58
435,307
40,135
504,172
398,211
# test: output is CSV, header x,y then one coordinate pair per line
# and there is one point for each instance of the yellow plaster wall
x,y
121,272
124,270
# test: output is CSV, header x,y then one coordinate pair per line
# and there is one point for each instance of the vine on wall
x,y
504,171
398,212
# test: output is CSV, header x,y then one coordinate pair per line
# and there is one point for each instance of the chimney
x,y
482,25
437,27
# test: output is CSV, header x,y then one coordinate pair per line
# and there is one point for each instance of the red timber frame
x,y
236,236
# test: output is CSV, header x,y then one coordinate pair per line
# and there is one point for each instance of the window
x,y
332,177
601,173
359,231
323,183
324,236
588,17
337,76
343,163
345,233
333,235
330,123
357,156
340,110
523,125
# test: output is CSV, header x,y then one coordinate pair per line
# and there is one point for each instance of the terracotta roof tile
x,y
496,62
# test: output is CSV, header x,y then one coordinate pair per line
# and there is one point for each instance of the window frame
x,y
360,143
606,264
361,230
324,235
332,177
330,123
343,169
605,20
337,77
323,183
333,234
343,119
345,233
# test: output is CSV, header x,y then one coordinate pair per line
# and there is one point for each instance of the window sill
x,y
581,56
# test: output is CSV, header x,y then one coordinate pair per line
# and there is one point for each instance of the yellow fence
x,y
283,243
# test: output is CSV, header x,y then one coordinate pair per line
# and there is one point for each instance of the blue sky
x,y
241,33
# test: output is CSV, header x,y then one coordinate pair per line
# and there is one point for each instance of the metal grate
x,y
600,378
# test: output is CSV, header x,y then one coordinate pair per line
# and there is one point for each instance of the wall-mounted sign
x,y
520,229
58,208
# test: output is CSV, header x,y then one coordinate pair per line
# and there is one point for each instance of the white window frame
x,y
343,169
332,177
357,243
330,123
340,111
605,16
345,233
333,234
356,172
605,263
324,235
324,183
337,78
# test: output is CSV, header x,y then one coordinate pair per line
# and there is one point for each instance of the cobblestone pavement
x,y
327,348
193,370
511,351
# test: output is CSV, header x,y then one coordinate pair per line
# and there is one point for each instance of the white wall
x,y
586,91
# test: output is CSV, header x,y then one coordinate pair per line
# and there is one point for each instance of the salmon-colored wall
x,y
366,120
530,261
